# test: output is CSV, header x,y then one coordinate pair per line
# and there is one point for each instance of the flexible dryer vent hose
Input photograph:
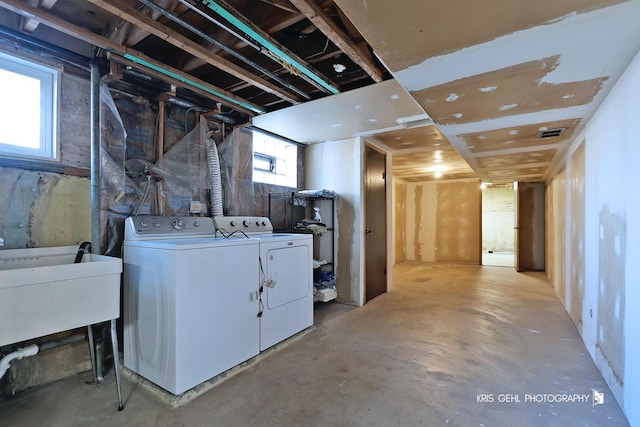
x,y
214,178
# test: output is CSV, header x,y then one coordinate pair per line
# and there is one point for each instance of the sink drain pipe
x,y
5,363
96,240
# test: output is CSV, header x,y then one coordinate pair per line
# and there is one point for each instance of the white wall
x,y
337,165
607,310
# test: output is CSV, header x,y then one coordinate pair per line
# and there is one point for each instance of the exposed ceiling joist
x,y
188,45
281,4
213,42
288,59
314,13
30,25
133,35
90,37
61,25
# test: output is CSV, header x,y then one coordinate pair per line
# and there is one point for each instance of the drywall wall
x,y
443,221
575,250
458,221
593,204
421,221
337,166
399,222
556,216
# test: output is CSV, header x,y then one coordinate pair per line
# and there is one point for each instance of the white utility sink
x,y
43,292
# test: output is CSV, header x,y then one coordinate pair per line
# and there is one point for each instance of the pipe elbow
x,y
5,362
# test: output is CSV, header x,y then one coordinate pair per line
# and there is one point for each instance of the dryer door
x,y
287,269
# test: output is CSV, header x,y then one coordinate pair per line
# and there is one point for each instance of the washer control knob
x,y
257,223
143,223
196,223
177,223
264,223
156,223
232,223
245,222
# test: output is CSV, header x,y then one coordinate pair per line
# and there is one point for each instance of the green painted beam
x,y
194,83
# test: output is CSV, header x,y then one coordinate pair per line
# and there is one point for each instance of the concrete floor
x,y
500,259
423,354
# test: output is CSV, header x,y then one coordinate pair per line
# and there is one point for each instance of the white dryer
x,y
190,303
286,276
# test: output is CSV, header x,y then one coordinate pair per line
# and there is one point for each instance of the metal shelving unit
x,y
287,210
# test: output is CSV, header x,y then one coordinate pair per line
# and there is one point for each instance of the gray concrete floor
x,y
423,354
500,259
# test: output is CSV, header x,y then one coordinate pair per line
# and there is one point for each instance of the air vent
x,y
551,133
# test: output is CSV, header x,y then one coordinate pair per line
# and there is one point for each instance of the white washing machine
x,y
190,301
286,276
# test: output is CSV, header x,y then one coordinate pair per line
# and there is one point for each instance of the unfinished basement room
x,y
319,213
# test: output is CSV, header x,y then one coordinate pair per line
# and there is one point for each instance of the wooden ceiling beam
x,y
52,21
281,4
175,77
164,33
316,15
135,35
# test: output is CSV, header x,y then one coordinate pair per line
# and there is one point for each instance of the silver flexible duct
x,y
214,178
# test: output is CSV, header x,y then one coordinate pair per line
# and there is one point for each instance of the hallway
x,y
427,353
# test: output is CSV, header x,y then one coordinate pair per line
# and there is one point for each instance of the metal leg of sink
x,y
116,362
92,354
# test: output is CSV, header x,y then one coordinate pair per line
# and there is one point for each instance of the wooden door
x,y
530,226
375,224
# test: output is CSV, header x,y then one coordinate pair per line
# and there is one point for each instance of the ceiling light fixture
x,y
339,67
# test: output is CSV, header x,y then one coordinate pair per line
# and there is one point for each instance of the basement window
x,y
29,112
275,161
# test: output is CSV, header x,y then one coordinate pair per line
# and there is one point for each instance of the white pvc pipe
x,y
30,350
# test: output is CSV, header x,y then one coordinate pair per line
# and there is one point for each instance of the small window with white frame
x,y
275,161
28,115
